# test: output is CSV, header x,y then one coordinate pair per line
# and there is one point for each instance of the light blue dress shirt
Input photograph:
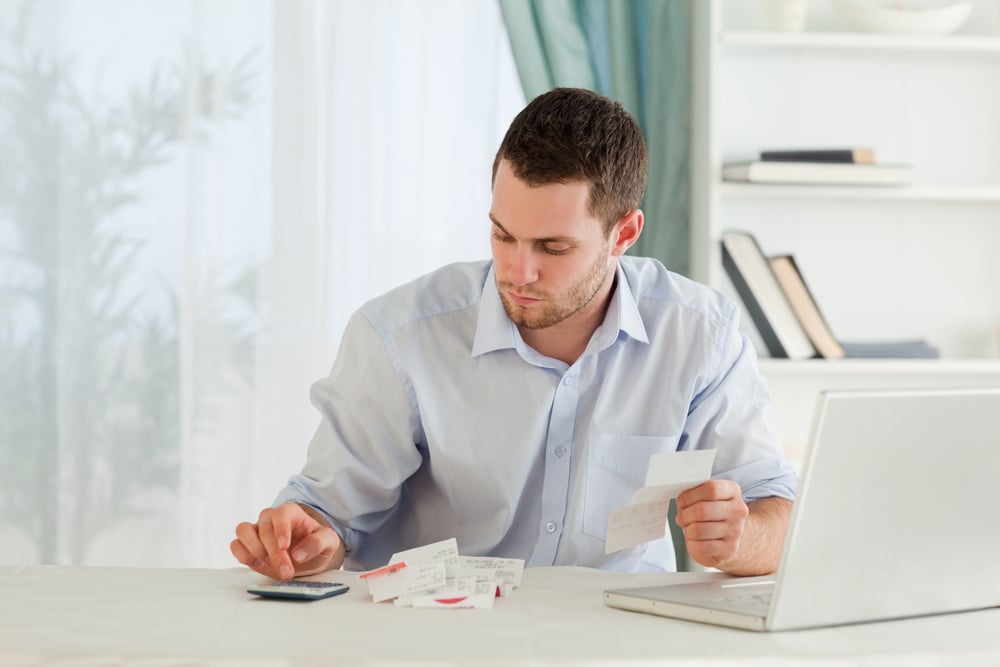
x,y
439,421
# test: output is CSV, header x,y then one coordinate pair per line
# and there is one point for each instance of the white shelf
x,y
795,385
878,367
938,45
931,101
950,194
913,101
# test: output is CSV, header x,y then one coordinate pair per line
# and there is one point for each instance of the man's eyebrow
x,y
547,239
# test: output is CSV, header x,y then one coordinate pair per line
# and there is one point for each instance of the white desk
x,y
116,616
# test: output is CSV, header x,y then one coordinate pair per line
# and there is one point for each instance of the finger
x,y
241,553
290,519
265,530
312,564
713,489
315,546
278,557
733,510
247,534
244,556
710,530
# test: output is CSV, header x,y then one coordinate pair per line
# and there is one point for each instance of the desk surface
x,y
118,616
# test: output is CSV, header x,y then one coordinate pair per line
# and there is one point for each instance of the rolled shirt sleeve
x,y
729,414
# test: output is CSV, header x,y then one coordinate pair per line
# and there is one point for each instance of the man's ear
x,y
626,232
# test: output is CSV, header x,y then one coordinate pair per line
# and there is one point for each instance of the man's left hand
x,y
712,516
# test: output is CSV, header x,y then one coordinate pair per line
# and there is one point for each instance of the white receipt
x,y
635,524
502,570
436,575
474,601
445,552
645,519
408,581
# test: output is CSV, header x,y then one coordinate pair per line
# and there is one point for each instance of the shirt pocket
x,y
616,468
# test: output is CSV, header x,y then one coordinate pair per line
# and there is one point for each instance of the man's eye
x,y
556,250
503,238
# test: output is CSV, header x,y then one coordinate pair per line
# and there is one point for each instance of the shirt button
x,y
551,527
560,450
568,380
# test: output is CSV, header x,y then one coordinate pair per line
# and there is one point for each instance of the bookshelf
x,y
903,262
795,385
953,194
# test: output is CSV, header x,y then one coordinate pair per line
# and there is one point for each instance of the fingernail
x,y
258,564
282,542
285,571
299,555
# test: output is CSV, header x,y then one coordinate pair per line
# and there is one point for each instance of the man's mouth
x,y
521,300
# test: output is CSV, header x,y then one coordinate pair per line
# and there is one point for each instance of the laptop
x,y
895,517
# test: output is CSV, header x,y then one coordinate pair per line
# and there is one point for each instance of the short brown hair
x,y
574,134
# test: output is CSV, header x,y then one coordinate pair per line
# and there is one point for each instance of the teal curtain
x,y
637,52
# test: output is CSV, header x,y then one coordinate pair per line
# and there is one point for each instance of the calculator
x,y
298,590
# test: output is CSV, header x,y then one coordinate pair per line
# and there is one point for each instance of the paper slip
x,y
645,519
475,601
435,575
671,473
385,569
635,524
407,581
501,570
452,594
445,551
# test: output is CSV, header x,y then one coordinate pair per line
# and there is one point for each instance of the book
x,y
848,155
804,304
805,307
817,173
750,272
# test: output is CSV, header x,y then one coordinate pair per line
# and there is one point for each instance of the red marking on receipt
x,y
476,601
436,575
385,569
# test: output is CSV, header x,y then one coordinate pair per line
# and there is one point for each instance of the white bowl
x,y
912,18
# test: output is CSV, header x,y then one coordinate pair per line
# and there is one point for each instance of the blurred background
x,y
194,197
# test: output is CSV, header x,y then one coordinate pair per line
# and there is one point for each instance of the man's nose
x,y
522,269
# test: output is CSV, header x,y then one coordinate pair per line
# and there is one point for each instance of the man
x,y
514,404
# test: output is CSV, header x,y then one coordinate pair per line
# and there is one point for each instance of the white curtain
x,y
194,197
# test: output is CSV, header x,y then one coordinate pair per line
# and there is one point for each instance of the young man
x,y
514,404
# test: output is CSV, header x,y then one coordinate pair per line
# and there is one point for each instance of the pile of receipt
x,y
437,576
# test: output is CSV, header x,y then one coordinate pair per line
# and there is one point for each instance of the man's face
x,y
551,256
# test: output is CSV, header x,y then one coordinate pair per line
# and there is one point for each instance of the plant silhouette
x,y
90,382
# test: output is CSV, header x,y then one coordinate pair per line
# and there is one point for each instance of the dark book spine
x,y
767,333
845,155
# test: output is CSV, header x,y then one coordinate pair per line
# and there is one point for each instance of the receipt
x,y
444,552
645,518
436,575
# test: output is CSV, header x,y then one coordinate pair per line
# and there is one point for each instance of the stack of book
x,y
785,313
820,166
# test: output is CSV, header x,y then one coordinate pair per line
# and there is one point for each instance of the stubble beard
x,y
574,299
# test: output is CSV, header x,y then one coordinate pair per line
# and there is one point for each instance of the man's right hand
x,y
288,541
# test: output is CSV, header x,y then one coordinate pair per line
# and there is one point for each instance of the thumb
x,y
314,551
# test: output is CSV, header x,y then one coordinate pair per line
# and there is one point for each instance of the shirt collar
x,y
625,310
495,331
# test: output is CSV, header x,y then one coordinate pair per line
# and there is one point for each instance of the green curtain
x,y
637,52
